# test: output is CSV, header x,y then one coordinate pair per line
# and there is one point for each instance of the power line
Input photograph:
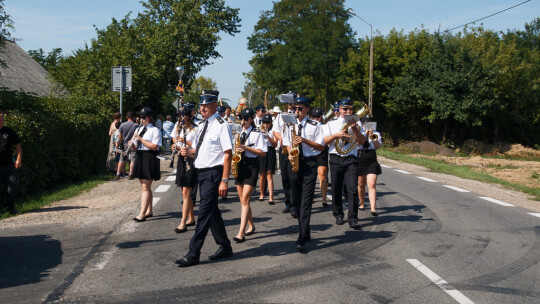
x,y
488,16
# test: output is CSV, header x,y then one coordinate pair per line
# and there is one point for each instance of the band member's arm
x,y
273,140
360,138
18,151
149,144
317,145
223,186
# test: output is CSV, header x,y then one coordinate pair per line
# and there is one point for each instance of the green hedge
x,y
64,140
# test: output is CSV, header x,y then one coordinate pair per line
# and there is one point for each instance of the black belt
x,y
211,168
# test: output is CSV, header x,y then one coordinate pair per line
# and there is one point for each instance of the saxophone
x,y
295,152
236,158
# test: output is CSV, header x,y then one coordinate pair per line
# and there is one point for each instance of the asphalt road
x,y
429,244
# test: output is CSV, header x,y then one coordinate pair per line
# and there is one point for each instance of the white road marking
x,y
162,188
329,197
456,188
171,178
449,289
106,257
427,179
489,199
155,200
386,166
404,172
535,214
174,171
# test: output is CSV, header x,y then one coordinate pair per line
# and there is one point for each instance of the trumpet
x,y
295,152
372,136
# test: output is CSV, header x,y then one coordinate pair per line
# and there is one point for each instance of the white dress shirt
x,y
310,130
190,136
152,135
254,140
217,140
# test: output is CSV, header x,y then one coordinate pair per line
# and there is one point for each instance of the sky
x,y
69,24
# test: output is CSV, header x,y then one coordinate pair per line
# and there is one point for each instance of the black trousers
x,y
302,193
10,177
209,213
284,167
343,170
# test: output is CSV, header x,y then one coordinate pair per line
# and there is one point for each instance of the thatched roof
x,y
21,72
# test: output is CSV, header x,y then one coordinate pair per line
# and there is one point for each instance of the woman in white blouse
x,y
146,141
252,144
184,134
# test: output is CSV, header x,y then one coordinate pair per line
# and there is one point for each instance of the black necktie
x,y
201,138
243,138
300,134
141,135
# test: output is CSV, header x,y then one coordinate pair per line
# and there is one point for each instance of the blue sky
x,y
68,24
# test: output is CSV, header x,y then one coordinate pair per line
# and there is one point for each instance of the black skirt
x,y
147,165
248,171
322,158
184,177
367,163
268,161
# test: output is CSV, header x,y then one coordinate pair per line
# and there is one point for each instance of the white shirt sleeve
x,y
226,137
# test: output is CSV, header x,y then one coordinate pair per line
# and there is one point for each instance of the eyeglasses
x,y
298,108
347,109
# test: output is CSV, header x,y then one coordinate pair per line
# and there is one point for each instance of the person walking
x,y
212,156
267,163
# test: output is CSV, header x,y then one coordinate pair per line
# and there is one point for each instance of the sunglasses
x,y
246,118
347,109
298,108
144,117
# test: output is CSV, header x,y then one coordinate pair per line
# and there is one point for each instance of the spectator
x,y
168,127
111,166
116,118
8,165
116,143
126,131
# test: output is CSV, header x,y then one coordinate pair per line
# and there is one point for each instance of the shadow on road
x,y
136,244
60,208
26,259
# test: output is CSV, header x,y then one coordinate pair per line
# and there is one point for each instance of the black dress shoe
x,y
192,224
287,209
361,208
271,203
224,198
250,232
237,240
340,221
301,248
354,225
373,213
150,215
261,199
180,230
294,213
324,204
138,220
187,261
221,253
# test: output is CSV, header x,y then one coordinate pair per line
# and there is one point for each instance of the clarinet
x,y
174,149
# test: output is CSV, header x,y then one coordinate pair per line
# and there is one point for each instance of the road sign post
x,y
121,81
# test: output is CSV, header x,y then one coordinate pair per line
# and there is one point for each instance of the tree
x,y
199,84
6,24
49,61
169,33
299,44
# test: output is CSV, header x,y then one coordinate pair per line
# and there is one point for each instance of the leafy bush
x,y
64,140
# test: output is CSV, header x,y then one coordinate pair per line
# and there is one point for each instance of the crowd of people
x,y
300,144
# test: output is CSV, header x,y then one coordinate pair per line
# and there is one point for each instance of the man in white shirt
x,y
212,155
343,163
309,140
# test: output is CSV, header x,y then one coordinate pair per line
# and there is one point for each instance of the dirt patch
x,y
424,147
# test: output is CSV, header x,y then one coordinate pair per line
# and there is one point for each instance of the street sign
x,y
121,78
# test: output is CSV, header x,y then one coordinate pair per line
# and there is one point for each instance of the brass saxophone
x,y
237,157
295,152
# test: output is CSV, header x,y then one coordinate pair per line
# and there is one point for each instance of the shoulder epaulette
x,y
313,122
220,119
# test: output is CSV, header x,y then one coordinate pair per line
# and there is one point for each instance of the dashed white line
x,y
449,289
535,214
329,197
456,188
386,166
171,178
155,200
489,199
162,188
427,179
404,172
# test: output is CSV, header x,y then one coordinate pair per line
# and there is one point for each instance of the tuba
x,y
295,152
236,158
341,144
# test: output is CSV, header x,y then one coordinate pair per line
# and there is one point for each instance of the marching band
x,y
304,142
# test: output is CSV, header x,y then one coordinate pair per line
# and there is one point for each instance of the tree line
x,y
440,86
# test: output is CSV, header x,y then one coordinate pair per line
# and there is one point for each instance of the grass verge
x,y
457,170
37,200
